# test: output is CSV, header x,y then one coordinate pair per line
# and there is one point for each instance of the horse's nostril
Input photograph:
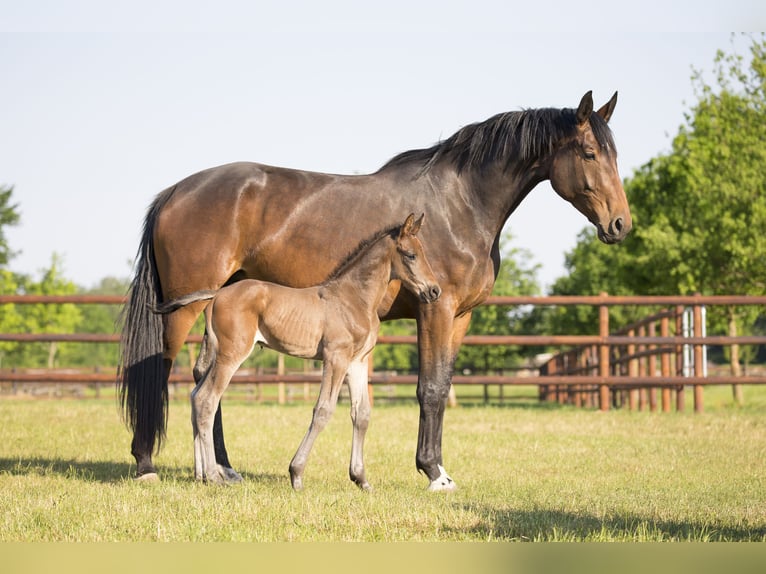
x,y
618,225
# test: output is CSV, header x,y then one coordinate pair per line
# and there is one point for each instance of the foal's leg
x,y
332,379
204,362
205,400
360,417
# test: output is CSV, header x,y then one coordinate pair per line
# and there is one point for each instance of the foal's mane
x,y
519,138
360,250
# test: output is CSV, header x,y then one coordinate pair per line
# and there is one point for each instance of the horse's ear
x,y
585,109
607,109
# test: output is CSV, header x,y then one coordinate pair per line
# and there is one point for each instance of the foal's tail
x,y
142,380
170,306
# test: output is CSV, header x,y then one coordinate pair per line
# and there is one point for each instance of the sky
x,y
105,104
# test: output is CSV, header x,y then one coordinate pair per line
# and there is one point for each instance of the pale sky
x,y
103,107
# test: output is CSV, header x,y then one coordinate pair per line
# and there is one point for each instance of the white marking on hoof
x,y
148,477
443,483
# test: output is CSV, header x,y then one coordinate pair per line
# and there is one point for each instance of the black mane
x,y
360,250
518,138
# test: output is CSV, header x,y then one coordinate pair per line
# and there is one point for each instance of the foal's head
x,y
410,265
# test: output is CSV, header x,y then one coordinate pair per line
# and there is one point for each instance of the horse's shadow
x,y
547,524
109,471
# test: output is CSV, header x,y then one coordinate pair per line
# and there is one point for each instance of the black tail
x,y
143,387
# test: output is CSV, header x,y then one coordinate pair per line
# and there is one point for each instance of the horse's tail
x,y
175,304
143,387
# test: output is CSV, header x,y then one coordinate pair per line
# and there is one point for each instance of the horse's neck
x,y
498,191
365,282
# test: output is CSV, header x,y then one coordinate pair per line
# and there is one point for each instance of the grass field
x,y
525,472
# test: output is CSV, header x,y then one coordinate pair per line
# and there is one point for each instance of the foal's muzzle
x,y
431,294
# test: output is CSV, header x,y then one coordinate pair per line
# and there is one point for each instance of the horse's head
x,y
410,265
584,172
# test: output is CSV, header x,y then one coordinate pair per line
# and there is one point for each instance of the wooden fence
x,y
602,370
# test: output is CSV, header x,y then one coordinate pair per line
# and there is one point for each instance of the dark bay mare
x,y
291,227
336,321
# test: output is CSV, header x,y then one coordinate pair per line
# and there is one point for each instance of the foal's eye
x,y
590,155
408,255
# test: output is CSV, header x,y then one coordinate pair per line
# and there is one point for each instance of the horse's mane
x,y
360,250
519,138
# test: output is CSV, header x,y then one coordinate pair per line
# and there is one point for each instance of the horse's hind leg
x,y
360,417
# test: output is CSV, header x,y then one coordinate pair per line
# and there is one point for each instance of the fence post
x,y
699,367
665,364
680,402
632,372
651,366
603,362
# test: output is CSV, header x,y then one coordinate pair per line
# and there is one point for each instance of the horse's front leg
x,y
439,338
357,378
332,379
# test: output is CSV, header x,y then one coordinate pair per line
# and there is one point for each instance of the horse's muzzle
x,y
617,231
431,294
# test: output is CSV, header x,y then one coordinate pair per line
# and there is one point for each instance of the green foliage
x,y
9,215
402,358
97,319
38,318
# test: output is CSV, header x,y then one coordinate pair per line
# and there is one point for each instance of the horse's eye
x,y
408,255
590,155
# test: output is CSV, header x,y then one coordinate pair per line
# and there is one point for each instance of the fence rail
x,y
597,370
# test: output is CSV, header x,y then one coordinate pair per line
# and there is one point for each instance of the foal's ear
x,y
411,227
607,109
585,109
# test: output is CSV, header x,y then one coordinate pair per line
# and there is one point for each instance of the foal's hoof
x,y
222,475
443,483
297,482
148,477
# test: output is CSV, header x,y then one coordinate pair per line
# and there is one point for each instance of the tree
x,y
9,215
700,210
42,318
97,319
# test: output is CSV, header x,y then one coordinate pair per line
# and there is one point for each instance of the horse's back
x,y
251,220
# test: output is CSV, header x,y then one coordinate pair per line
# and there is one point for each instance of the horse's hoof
x,y
443,483
231,476
148,477
297,483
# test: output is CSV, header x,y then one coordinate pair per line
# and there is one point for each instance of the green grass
x,y
525,473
